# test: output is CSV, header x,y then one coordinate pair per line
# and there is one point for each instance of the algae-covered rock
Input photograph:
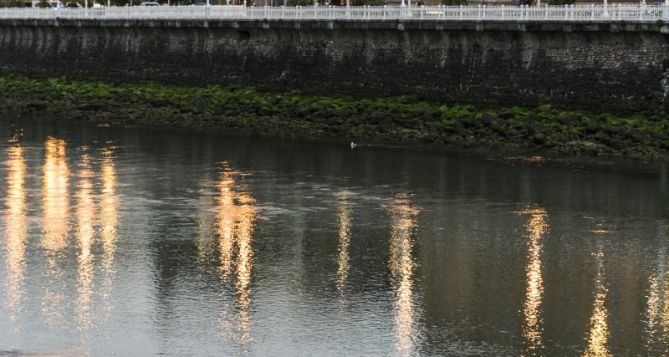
x,y
399,119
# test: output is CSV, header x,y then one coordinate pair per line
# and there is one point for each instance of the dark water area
x,y
135,242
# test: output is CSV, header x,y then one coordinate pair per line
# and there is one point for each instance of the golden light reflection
x,y
403,215
55,225
657,313
344,216
108,217
85,232
536,227
55,198
226,214
16,225
598,336
656,323
235,219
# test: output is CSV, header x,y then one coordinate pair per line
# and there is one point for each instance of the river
x,y
131,241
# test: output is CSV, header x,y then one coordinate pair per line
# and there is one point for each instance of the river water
x,y
135,242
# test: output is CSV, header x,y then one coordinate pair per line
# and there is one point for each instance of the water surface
x,y
136,242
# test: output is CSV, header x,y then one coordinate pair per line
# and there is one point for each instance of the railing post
x,y
566,11
592,12
478,12
525,12
503,13
461,12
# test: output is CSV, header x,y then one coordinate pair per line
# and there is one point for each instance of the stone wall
x,y
595,66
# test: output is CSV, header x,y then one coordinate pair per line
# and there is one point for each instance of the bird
x,y
353,145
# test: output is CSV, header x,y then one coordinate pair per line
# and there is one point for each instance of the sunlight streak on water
x,y
235,219
598,336
536,227
85,220
401,263
109,203
55,225
656,334
344,217
16,227
55,196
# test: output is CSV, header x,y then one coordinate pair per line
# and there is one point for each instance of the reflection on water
x,y
150,246
403,215
85,216
15,226
598,336
235,218
657,311
55,226
344,217
55,197
94,216
108,218
536,227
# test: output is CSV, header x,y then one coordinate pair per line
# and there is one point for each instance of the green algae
x,y
398,119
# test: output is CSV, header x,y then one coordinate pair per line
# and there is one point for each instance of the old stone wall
x,y
595,66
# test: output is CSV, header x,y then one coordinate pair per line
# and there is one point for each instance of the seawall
x,y
616,67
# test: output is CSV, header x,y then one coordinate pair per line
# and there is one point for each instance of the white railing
x,y
585,13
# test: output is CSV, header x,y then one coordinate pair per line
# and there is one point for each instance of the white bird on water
x,y
353,145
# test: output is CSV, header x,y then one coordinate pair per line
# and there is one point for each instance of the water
x,y
133,242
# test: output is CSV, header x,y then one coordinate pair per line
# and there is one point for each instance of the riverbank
x,y
391,120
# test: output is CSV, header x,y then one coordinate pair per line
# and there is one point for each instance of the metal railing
x,y
585,13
